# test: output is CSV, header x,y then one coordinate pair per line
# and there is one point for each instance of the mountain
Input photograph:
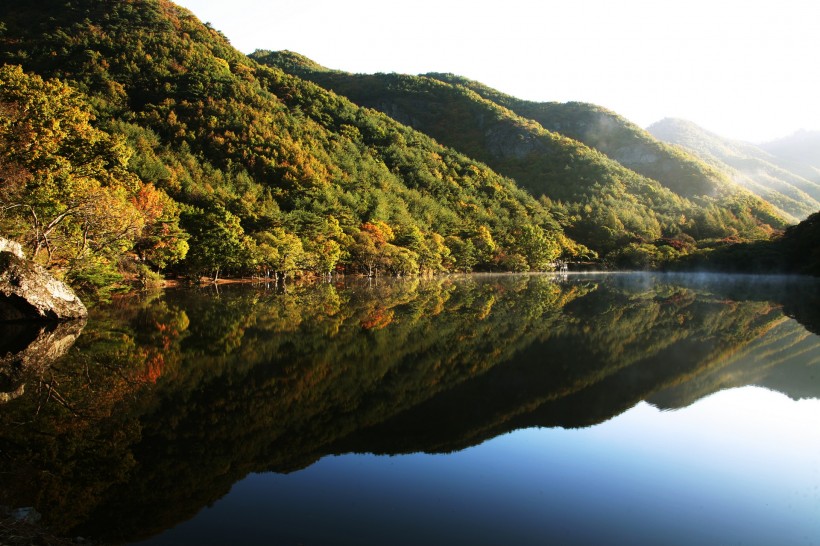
x,y
799,153
616,137
161,148
264,171
801,246
753,167
600,201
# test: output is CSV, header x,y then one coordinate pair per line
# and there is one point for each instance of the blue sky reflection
x,y
740,466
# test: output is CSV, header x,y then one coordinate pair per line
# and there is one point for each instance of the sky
x,y
744,69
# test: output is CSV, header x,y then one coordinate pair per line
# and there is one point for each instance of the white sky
x,y
746,69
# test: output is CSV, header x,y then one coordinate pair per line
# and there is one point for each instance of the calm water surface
x,y
611,409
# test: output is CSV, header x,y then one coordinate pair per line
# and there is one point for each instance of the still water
x,y
599,409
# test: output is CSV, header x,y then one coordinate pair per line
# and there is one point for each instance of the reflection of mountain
x,y
786,359
640,344
172,399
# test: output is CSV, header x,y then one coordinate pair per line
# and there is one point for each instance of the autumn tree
x,y
163,242
367,250
65,186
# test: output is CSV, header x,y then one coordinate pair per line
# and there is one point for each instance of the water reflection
x,y
28,349
170,398
718,472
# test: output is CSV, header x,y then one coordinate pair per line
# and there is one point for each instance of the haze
x,y
743,69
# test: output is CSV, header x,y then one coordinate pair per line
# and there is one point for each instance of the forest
x,y
136,144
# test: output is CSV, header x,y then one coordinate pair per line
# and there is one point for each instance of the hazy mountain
x,y
616,137
799,152
758,170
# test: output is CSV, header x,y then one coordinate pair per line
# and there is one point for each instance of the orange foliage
x,y
379,319
380,232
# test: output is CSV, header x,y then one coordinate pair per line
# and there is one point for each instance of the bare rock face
x,y
29,292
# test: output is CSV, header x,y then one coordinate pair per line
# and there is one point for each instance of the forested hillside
x,y
749,165
617,138
230,165
135,140
796,251
599,201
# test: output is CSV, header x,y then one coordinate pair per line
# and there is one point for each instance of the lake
x,y
509,409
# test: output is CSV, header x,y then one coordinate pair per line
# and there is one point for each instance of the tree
x,y
537,247
218,241
65,186
162,241
322,255
399,261
279,252
484,245
367,250
364,252
462,253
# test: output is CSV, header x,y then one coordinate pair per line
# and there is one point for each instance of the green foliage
x,y
149,278
95,278
537,248
282,253
64,186
162,242
218,242
208,126
65,189
609,184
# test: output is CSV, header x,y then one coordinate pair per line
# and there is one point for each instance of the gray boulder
x,y
29,292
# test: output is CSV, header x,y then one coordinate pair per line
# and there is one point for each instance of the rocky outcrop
x,y
11,246
29,292
511,141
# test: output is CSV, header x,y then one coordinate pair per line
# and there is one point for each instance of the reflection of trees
x,y
173,397
612,349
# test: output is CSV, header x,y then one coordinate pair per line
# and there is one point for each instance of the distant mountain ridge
x,y
799,152
765,172
614,136
600,201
